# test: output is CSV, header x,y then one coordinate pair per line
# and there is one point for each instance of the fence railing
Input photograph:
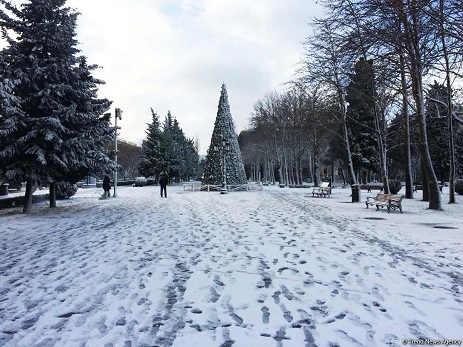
x,y
196,187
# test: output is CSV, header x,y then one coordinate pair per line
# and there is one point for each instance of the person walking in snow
x,y
163,180
106,187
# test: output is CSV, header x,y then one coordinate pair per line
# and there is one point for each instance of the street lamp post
x,y
118,114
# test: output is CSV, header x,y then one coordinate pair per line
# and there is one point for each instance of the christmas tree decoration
x,y
224,164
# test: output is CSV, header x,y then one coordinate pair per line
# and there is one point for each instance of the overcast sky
x,y
175,54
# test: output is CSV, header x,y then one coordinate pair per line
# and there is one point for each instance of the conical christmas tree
x,y
224,153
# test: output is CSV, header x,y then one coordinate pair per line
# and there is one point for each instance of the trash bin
x,y
355,193
4,189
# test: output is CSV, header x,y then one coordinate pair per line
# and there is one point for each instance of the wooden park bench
x,y
372,186
323,190
390,201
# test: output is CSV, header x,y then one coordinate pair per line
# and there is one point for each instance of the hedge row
x,y
18,201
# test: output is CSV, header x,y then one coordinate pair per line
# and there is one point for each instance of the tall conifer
x,y
224,129
360,117
151,147
61,131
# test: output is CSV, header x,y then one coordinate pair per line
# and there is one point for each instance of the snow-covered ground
x,y
246,269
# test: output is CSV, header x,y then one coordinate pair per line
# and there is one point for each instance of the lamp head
x,y
118,113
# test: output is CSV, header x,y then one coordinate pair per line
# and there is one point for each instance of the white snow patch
x,y
271,268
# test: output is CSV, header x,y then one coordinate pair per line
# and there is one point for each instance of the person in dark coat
x,y
163,180
106,187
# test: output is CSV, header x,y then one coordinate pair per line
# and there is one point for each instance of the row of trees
x,y
369,62
167,149
294,134
52,124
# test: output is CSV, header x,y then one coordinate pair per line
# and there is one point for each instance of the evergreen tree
x,y
168,158
11,117
179,152
60,132
151,148
224,130
168,150
437,129
177,146
191,159
360,117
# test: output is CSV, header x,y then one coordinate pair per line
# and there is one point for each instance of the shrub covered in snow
x,y
65,190
459,186
394,186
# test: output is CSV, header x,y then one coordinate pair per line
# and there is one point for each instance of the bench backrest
x,y
325,185
382,197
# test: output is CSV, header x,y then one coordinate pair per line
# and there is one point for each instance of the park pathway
x,y
267,268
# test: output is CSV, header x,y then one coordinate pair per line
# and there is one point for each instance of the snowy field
x,y
246,269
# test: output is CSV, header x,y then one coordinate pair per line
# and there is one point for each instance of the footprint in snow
x,y
280,335
262,298
276,297
217,281
359,280
237,318
265,314
287,315
214,296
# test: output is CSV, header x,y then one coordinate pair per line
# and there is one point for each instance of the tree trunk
x,y
28,197
272,171
432,183
424,179
265,175
414,46
316,171
280,173
449,108
286,176
350,164
382,142
406,129
52,194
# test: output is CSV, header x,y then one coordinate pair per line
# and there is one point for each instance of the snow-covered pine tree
x,y
437,129
177,159
361,118
191,159
167,156
151,147
224,129
62,132
184,152
168,150
11,117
